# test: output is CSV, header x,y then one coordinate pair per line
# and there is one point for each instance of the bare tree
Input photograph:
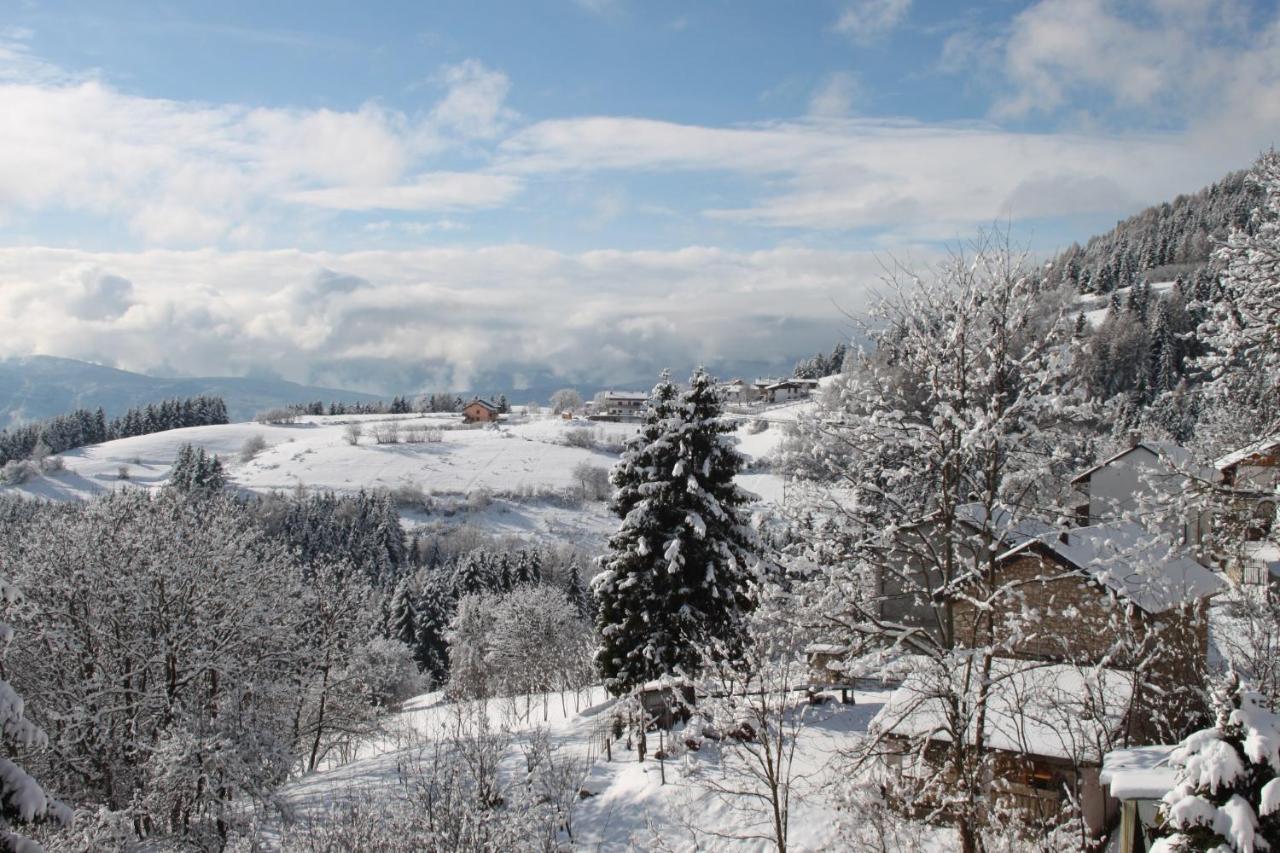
x,y
566,400
932,450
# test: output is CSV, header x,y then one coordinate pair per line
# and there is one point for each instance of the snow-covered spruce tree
x,y
1227,799
195,471
1242,365
923,455
674,580
22,799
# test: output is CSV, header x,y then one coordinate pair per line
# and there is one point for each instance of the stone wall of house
x,y
1072,617
1076,620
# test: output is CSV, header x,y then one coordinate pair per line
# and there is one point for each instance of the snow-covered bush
x,y
1228,792
594,480
386,432
579,437
419,433
19,471
755,426
52,465
409,496
351,433
278,415
122,473
253,445
389,673
478,500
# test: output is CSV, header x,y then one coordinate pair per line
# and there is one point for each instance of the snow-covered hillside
x,y
515,477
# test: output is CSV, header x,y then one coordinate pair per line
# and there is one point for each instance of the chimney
x,y
1135,438
1064,537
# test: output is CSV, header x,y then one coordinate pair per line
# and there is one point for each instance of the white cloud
x,y
1168,59
185,173
836,96
893,175
867,20
455,314
474,103
434,191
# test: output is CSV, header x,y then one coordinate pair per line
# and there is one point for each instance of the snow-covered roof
x,y
793,383
826,649
1051,710
1174,455
1009,526
1139,772
1236,457
485,403
626,395
1130,561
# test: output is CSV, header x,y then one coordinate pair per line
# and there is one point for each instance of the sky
x,y
395,196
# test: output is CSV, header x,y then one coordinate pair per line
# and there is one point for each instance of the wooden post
x,y
662,754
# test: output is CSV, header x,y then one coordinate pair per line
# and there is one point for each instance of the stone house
x,y
1047,727
479,411
1109,614
1110,594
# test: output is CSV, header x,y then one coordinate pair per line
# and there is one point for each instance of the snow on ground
x,y
633,810
509,479
630,807
1095,307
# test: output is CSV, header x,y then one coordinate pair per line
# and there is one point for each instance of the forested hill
x,y
1161,243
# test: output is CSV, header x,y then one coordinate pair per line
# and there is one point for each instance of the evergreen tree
x,y
673,588
1228,792
576,592
1243,360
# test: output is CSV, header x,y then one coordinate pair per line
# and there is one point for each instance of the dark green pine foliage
x,y
1228,793
195,471
576,592
674,585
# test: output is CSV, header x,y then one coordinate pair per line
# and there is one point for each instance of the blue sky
x,y
614,184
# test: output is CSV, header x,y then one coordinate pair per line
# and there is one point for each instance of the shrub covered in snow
x,y
253,445
276,416
386,432
1228,792
19,471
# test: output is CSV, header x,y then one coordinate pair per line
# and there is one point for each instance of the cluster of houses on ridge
x,y
630,405
1074,715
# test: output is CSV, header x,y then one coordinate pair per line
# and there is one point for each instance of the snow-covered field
x,y
630,806
505,479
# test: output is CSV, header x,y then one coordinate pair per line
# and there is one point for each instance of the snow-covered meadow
x,y
622,804
514,478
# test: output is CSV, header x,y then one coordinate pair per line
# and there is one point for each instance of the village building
x,y
1148,480
1121,625
1247,548
786,390
738,392
1047,726
620,406
479,411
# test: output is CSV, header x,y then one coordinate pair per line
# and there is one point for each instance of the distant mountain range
x,y
41,386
